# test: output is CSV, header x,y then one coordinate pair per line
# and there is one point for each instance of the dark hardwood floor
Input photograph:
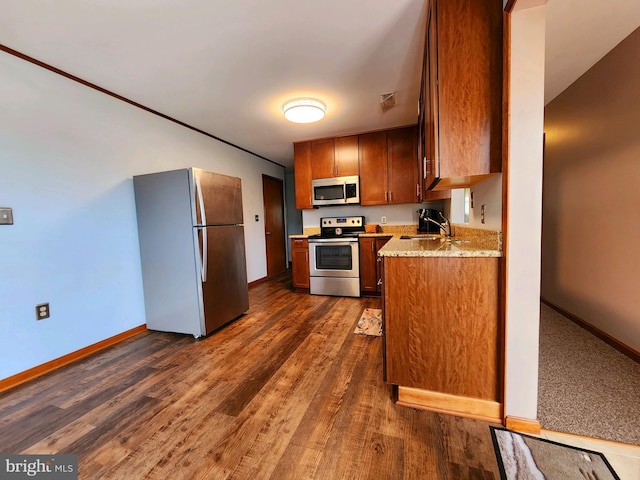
x,y
285,392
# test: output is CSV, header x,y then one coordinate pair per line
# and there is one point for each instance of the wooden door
x,y
272,192
403,168
373,168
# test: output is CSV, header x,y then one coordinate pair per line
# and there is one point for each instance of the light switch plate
x,y
6,216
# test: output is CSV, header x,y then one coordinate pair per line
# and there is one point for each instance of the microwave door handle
x,y
203,270
344,191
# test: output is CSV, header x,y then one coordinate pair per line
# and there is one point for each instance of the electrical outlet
x,y
42,311
6,216
482,214
383,220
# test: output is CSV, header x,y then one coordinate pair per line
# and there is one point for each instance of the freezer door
x,y
225,293
221,196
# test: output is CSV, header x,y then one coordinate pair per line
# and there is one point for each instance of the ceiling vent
x,y
387,101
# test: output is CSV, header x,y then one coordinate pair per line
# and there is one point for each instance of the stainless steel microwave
x,y
335,191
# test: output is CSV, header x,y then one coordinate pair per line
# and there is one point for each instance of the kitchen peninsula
x,y
442,341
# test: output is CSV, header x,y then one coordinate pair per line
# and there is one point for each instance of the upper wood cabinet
x,y
373,168
384,160
346,156
461,110
322,158
334,157
302,174
402,165
388,167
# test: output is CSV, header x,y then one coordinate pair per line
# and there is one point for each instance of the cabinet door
x,y
302,174
300,263
431,160
368,269
380,242
373,168
322,158
346,156
465,49
403,169
447,304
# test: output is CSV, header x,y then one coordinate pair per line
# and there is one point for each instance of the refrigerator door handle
x,y
203,214
204,255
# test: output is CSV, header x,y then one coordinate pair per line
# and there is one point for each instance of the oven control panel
x,y
357,221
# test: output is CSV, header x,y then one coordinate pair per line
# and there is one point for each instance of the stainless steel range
x,y
334,257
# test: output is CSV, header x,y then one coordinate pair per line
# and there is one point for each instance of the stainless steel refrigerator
x,y
191,235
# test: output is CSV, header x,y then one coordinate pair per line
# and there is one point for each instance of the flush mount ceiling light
x,y
303,110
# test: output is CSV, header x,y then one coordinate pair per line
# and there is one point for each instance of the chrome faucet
x,y
445,226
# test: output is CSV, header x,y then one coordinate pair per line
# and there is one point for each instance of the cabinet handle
x,y
379,282
306,256
418,190
391,196
386,196
379,260
424,168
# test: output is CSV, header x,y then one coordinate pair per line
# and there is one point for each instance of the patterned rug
x,y
532,458
370,322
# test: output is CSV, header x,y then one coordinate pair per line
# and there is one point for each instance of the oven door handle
x,y
331,241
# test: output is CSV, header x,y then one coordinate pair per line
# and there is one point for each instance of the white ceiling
x,y
579,33
226,67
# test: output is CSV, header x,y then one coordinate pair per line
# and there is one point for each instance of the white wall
x,y
524,211
67,157
591,226
487,193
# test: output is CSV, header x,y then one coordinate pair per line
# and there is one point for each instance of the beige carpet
x,y
370,322
585,386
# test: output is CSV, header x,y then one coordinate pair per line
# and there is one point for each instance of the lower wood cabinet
x,y
370,275
300,263
442,333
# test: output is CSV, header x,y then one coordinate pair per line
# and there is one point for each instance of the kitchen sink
x,y
419,237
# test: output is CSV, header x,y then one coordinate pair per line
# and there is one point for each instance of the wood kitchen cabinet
x,y
442,333
370,264
461,110
324,158
388,167
333,157
300,264
302,174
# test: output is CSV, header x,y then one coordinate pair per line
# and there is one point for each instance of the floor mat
x,y
525,457
370,322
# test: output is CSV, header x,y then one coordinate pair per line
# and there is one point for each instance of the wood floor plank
x,y
286,391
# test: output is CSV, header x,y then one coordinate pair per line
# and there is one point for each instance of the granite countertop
x,y
467,242
437,246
